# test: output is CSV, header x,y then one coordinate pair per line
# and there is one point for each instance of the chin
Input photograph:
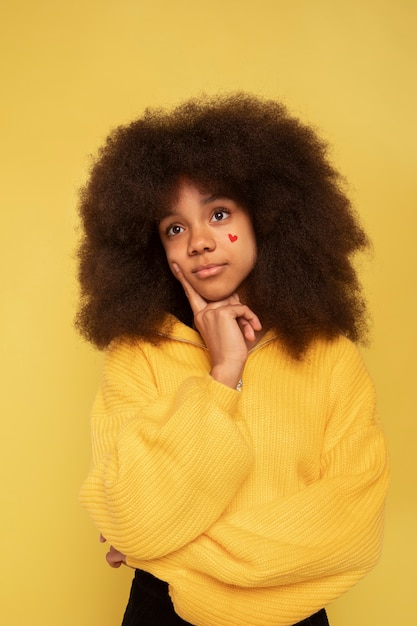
x,y
211,296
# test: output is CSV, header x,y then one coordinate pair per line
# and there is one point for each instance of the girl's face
x,y
211,239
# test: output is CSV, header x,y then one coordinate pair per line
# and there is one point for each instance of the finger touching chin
x,y
175,268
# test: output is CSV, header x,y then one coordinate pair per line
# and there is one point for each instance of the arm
x,y
331,527
276,563
160,457
289,557
227,327
166,466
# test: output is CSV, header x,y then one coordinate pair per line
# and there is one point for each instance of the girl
x,y
238,464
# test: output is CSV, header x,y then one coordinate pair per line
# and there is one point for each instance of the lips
x,y
211,269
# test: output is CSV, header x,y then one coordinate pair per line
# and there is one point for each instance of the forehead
x,y
186,190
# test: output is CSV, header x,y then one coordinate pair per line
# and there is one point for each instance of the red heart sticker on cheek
x,y
232,238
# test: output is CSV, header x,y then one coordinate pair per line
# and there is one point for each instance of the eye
x,y
173,230
220,215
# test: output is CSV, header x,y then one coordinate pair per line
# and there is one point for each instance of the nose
x,y
200,241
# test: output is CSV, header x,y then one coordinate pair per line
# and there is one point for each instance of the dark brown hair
x,y
304,283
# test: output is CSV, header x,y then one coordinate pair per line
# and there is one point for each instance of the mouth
x,y
206,271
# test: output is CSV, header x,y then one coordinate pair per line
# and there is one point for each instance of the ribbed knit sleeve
x,y
332,525
157,480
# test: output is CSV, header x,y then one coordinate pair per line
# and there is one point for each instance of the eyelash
x,y
217,211
169,229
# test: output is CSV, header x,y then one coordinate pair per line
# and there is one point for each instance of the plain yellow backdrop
x,y
71,71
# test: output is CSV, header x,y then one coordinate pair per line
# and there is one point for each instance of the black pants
x,y
150,605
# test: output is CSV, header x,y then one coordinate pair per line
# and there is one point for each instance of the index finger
x,y
197,303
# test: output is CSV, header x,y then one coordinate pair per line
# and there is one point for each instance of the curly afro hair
x,y
304,283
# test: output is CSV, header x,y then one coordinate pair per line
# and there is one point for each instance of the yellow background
x,y
73,70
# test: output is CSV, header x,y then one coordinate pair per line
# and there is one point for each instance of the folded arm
x,y
160,462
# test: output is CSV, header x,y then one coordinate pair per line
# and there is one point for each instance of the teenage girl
x,y
238,463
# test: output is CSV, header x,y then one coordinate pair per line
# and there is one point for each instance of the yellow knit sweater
x,y
257,507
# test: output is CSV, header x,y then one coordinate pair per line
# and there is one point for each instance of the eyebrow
x,y
170,212
214,197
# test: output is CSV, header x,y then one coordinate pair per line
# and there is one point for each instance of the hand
x,y
227,327
113,557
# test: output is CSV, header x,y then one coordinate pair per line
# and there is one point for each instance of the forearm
x,y
180,476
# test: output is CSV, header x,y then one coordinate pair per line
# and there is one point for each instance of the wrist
x,y
227,377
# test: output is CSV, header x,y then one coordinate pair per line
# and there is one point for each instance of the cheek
x,y
171,258
247,244
170,261
166,252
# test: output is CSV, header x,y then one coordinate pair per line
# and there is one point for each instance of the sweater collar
x,y
172,328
